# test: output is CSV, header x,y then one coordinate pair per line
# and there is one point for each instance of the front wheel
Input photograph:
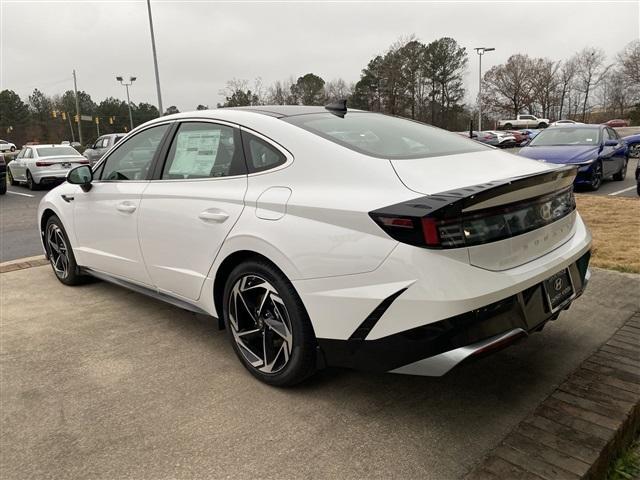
x,y
622,173
634,150
3,187
596,177
13,149
542,125
268,325
507,126
10,178
60,253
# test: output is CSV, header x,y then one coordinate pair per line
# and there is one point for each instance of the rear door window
x,y
261,155
204,150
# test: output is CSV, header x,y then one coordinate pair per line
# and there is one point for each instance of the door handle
x,y
126,207
213,215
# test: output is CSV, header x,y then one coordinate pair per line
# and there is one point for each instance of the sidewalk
x,y
99,382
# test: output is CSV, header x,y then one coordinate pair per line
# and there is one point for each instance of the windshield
x,y
57,151
567,136
384,136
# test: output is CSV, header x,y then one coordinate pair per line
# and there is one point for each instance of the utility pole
x,y
75,89
481,51
155,58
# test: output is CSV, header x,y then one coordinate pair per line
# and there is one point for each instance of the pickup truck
x,y
524,121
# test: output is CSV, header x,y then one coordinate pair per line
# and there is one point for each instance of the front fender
x,y
53,202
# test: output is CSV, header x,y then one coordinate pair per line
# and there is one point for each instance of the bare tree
x,y
336,89
629,59
508,87
566,80
545,82
591,72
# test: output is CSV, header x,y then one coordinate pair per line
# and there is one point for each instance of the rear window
x,y
55,151
384,136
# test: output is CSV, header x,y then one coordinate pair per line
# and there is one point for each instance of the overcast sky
x,y
202,44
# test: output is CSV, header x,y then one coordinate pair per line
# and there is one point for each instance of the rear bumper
x,y
435,348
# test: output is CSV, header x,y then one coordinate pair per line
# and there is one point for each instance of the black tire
x,y
3,186
10,178
31,183
596,177
71,274
507,126
620,176
300,363
542,125
638,188
634,150
13,149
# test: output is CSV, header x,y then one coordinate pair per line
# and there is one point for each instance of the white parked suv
x,y
326,236
38,165
524,121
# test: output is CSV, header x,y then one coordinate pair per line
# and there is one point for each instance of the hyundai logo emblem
x,y
545,211
557,284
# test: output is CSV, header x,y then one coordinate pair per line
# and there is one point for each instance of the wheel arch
x,y
225,268
47,213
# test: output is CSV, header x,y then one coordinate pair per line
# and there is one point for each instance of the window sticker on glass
x,y
195,153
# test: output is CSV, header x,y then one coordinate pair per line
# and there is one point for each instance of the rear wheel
x,y
596,176
634,150
507,126
542,125
268,325
60,253
13,149
622,173
31,183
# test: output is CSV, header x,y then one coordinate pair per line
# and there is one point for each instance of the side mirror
x,y
81,175
611,143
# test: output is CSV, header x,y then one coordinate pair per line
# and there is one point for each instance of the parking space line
x,y
622,191
23,194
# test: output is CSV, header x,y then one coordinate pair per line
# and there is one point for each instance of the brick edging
x,y
583,424
23,263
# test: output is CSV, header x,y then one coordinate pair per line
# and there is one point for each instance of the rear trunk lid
x,y
526,213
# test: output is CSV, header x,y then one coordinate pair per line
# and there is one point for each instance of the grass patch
x,y
615,226
627,465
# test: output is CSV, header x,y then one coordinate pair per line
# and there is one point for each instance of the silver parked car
x,y
38,165
101,146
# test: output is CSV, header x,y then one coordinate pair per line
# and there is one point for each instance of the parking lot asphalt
x,y
100,382
18,224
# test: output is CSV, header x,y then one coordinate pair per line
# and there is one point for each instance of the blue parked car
x,y
633,142
598,150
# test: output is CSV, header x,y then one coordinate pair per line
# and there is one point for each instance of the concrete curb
x,y
22,263
583,424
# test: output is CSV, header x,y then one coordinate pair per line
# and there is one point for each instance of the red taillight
x,y
83,162
430,231
43,164
396,222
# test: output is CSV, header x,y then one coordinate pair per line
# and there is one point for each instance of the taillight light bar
x,y
465,229
43,164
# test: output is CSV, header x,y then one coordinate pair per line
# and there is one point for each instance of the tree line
x,y
422,81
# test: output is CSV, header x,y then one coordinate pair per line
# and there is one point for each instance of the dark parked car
x,y
617,122
521,137
597,150
3,175
633,142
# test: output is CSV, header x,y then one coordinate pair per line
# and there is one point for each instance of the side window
x,y
613,135
21,154
132,159
28,153
204,150
260,154
104,143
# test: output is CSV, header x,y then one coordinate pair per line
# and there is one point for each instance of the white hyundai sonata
x,y
326,236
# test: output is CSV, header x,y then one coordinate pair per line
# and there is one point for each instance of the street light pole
x,y
126,85
155,58
481,51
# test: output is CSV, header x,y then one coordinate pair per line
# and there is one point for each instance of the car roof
x,y
281,111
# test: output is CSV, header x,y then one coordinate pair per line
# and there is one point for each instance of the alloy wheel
x,y
58,251
260,324
596,176
634,150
